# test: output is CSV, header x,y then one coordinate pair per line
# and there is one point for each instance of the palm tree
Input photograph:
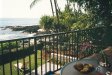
x,y
35,1
57,15
55,5
52,7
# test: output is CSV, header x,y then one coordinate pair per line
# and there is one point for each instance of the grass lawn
x,y
14,69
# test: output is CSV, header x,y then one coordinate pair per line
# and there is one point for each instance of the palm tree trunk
x,y
52,7
55,3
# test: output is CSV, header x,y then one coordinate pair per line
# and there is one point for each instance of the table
x,y
69,69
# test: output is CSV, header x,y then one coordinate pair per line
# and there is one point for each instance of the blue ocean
x,y
18,21
6,34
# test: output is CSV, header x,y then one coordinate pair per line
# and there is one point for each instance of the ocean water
x,y
6,34
18,22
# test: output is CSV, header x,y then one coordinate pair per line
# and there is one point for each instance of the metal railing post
x,y
35,55
77,44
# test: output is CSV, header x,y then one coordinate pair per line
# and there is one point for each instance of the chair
x,y
23,68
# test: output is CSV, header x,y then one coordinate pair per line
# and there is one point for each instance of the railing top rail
x,y
42,35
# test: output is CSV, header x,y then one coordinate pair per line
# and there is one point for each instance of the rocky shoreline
x,y
27,29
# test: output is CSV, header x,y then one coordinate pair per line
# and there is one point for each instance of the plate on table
x,y
70,70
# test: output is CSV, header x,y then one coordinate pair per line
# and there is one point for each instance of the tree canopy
x,y
46,22
96,13
101,10
68,20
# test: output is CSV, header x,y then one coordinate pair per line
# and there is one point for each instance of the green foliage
x,y
100,10
68,20
97,13
76,20
9,45
83,22
46,22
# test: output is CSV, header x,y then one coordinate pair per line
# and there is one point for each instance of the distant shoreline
x,y
24,29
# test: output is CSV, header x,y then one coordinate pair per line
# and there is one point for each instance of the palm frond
x,y
33,3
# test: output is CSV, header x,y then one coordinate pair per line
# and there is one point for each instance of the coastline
x,y
14,32
24,29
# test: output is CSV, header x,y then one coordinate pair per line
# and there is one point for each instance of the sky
x,y
21,8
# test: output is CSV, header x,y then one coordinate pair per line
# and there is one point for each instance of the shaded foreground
x,y
58,49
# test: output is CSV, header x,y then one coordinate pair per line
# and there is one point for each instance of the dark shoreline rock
x,y
28,29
